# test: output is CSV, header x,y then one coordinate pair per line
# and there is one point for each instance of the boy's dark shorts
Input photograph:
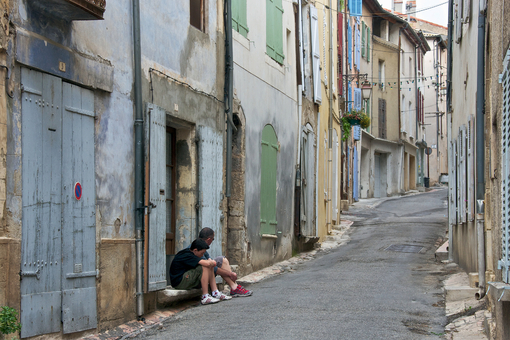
x,y
191,279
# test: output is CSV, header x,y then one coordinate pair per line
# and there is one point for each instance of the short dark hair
x,y
198,244
205,233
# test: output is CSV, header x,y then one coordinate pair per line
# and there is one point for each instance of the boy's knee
x,y
225,261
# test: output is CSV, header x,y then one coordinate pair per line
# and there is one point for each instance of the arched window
x,y
268,167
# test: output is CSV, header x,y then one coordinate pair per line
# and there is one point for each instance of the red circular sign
x,y
77,190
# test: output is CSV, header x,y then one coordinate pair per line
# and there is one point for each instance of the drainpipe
x,y
417,105
480,156
228,91
330,139
449,121
297,198
139,175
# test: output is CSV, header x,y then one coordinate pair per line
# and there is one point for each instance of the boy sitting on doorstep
x,y
190,271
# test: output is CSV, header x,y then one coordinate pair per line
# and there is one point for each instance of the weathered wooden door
x,y
355,175
210,174
58,268
156,233
307,181
268,169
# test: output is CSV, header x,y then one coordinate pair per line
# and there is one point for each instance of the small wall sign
x,y
77,191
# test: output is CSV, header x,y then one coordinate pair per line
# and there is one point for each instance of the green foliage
x,y
9,321
365,121
346,128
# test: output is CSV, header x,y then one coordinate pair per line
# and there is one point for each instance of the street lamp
x,y
366,90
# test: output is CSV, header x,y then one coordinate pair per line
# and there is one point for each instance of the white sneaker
x,y
222,297
209,299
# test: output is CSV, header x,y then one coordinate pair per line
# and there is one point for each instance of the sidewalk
x,y
467,317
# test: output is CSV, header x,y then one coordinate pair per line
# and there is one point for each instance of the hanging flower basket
x,y
354,121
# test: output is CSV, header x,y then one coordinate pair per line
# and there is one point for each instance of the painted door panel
x,y
156,118
41,200
210,174
58,232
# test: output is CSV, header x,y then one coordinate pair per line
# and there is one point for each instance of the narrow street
x,y
383,284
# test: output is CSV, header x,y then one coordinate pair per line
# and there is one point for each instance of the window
x,y
355,7
381,74
239,18
274,30
196,14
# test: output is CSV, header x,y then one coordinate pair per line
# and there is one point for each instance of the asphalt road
x,y
383,284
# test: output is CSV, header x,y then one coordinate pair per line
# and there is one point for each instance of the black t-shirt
x,y
183,261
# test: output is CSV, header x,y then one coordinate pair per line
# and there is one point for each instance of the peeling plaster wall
x,y
169,45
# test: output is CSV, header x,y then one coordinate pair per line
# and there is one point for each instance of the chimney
x,y
411,6
398,5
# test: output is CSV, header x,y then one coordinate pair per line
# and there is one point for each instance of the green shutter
x,y
268,167
274,30
235,14
270,28
369,38
363,39
239,17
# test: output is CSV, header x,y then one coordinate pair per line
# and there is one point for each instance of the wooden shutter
x,y
314,26
458,21
466,11
274,30
269,155
355,7
382,118
239,17
156,153
210,176
369,38
504,263
340,52
470,172
363,29
357,98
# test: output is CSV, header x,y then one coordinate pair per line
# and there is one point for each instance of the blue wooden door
x,y
58,268
355,175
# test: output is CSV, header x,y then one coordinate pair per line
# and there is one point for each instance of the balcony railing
x,y
73,9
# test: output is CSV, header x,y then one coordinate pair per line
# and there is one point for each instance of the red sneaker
x,y
240,292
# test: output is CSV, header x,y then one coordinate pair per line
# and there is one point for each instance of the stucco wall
x,y
191,76
268,95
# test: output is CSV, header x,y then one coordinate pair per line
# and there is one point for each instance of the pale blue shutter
x,y
210,174
504,263
357,98
314,27
156,153
355,7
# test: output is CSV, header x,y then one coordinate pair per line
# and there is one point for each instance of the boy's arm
x,y
207,263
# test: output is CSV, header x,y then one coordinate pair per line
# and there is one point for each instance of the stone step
x,y
442,252
457,293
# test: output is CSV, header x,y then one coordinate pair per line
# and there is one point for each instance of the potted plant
x,y
354,117
8,321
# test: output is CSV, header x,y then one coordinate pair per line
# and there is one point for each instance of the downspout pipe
x,y
139,169
480,152
448,116
228,91
330,139
297,197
